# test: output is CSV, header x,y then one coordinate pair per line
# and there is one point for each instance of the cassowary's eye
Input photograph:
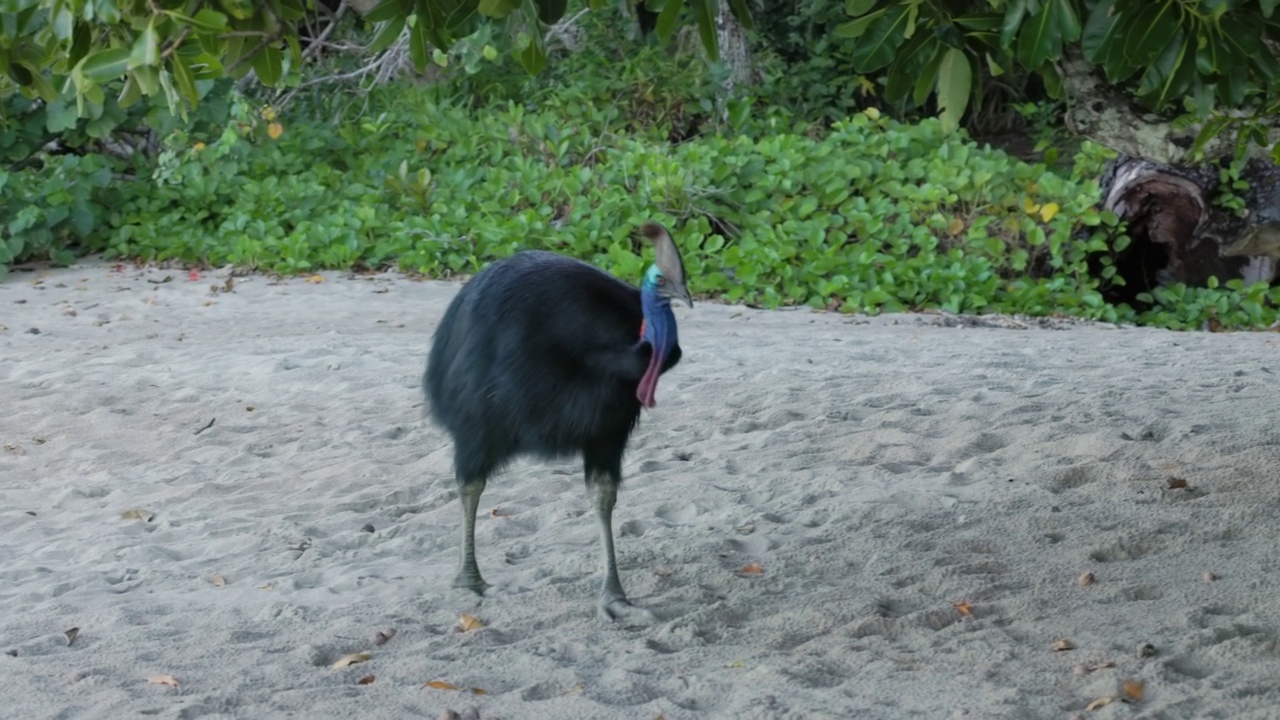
x,y
662,280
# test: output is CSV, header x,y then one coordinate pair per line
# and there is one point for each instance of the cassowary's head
x,y
665,277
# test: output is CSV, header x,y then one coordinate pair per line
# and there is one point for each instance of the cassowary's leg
x,y
469,492
613,601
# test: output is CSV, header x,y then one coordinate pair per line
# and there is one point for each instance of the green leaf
x,y
907,64
854,29
387,34
854,8
1170,75
704,13
1040,39
238,9
210,21
876,48
1268,7
496,9
668,19
146,48
269,65
1068,21
63,22
389,9
105,65
955,80
419,44
926,81
1013,15
1100,31
1152,27
533,57
743,13
185,80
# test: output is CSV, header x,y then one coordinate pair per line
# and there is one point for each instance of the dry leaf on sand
x,y
467,623
384,636
498,512
963,607
71,635
440,685
1085,579
1099,703
218,580
137,514
169,680
366,680
1133,691
752,569
352,659
1062,644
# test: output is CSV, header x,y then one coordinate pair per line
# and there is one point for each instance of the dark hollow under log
x,y
1179,234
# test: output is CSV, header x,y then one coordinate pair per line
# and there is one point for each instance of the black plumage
x,y
543,355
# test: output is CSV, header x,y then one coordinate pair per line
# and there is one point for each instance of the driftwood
x,y
1180,235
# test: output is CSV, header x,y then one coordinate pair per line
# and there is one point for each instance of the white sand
x,y
878,471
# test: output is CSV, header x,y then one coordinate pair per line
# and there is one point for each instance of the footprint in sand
x,y
678,513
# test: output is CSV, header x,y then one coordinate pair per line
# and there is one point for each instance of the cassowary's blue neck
x,y
659,332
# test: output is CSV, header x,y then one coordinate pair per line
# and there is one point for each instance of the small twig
x,y
206,427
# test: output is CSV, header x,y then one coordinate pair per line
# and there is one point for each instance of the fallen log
x,y
1180,235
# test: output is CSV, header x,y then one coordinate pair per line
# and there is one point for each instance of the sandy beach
x,y
227,489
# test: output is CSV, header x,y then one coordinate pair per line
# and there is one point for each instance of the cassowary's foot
x,y
620,610
472,581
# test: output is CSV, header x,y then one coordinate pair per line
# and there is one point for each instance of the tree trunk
x,y
1180,235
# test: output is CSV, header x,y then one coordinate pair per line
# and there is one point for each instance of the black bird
x,y
546,355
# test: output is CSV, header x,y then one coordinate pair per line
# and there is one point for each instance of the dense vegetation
x,y
773,204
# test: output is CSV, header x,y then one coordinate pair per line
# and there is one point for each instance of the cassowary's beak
x,y
683,294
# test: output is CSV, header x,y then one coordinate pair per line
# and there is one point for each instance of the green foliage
x,y
872,216
52,208
1178,56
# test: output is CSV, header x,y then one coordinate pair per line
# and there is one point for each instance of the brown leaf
x,y
1099,703
1085,579
1133,691
752,569
479,691
218,580
384,636
316,279
1062,644
963,607
439,685
71,635
499,513
352,659
1177,483
138,514
467,623
366,680
169,680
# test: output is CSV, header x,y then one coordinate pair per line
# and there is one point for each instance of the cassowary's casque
x,y
545,355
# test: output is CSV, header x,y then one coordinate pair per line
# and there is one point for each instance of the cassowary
x,y
545,355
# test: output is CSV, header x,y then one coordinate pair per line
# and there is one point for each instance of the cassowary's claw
x,y
620,610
